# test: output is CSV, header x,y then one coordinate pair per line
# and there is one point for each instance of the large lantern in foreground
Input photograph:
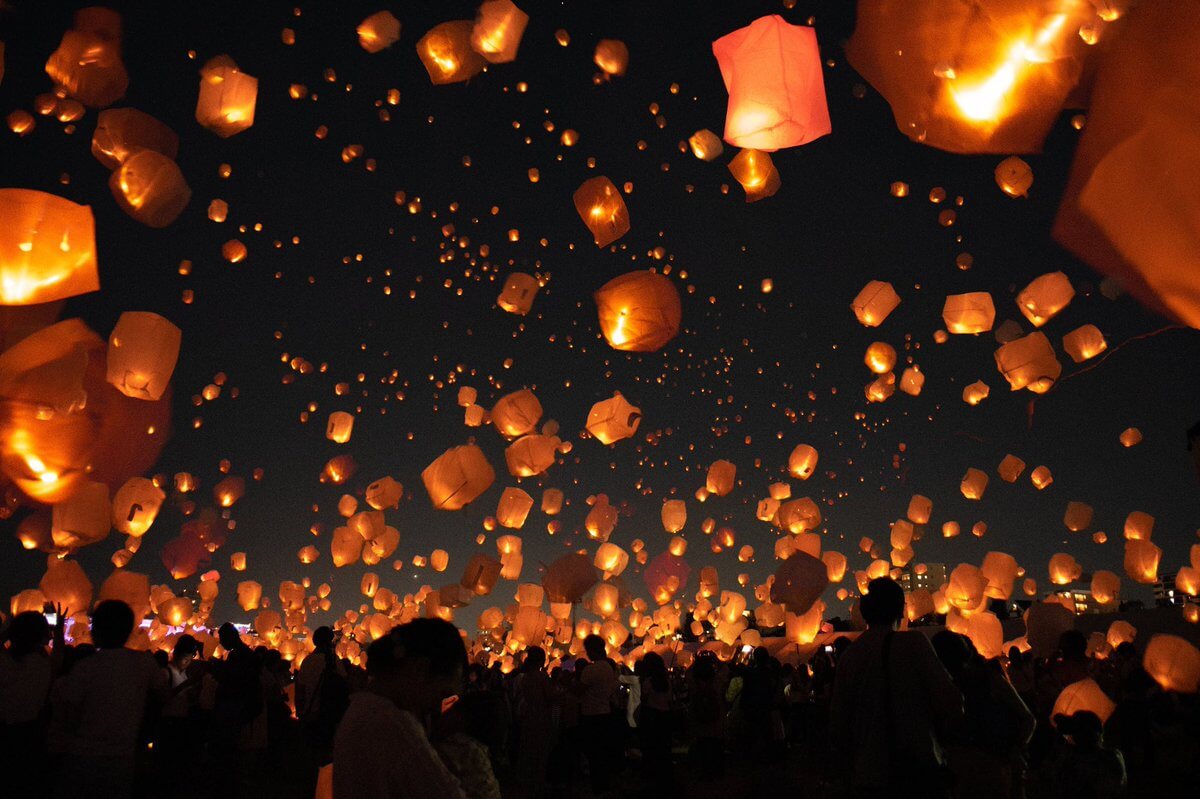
x,y
639,311
599,205
227,100
121,132
972,76
150,187
88,67
142,352
499,26
47,248
378,32
772,71
446,52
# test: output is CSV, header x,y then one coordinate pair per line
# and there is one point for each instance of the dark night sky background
x,y
742,364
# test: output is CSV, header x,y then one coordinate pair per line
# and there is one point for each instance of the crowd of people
x,y
888,713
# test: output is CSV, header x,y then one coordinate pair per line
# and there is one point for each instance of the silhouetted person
x,y
178,738
598,684
322,696
535,724
1086,768
654,720
892,700
101,705
381,750
25,674
238,703
706,717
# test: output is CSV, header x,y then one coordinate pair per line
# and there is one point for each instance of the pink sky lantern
x,y
772,71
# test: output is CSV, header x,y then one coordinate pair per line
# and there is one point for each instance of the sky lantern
x,y
755,171
339,427
1139,525
65,583
601,207
1000,570
665,576
249,595
47,248
129,587
880,357
1141,560
227,492
378,32
1064,569
1083,696
183,556
1044,297
874,303
1113,215
912,380
552,501
919,509
517,414
772,71
601,519
1010,468
613,419
799,582
986,634
1014,176
85,518
569,577
1078,516
1084,342
227,100
965,591
802,461
513,508
1130,437
446,52
969,313
1041,477
384,493
720,477
121,132
639,311
135,506
480,574
517,295
1173,663
531,455
457,477
1106,587
974,483
88,67
499,26
972,77
142,351
610,559
1029,362
612,56
150,187
705,144
976,392
674,515
345,546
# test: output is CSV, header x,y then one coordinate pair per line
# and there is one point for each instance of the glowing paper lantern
x,y
150,188
976,393
1084,342
339,427
378,32
569,578
1106,587
552,501
1139,524
1014,176
513,508
85,518
601,519
1029,362
446,52
517,413
384,493
1064,569
142,352
802,461
614,419
610,559
1045,297
227,100
1130,437
1000,570
772,71
799,582
1041,477
499,26
969,76
973,484
531,455
121,132
481,574
720,477
345,546
600,206
880,357
1078,516
639,311
874,303
135,506
919,509
129,587
674,515
88,67
966,589
249,594
705,144
612,56
457,477
969,313
517,295
65,583
1083,696
756,173
1173,663
1141,560
47,248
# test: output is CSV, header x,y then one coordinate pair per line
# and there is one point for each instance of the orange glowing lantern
x,y
530,455
88,67
976,392
755,171
600,206
385,492
1084,342
1106,587
499,26
1064,569
518,293
639,311
150,188
1029,362
802,461
973,484
517,414
1014,176
969,313
227,100
457,477
227,492
1141,560
1078,516
339,427
1000,570
481,574
378,32
705,144
446,52
1045,297
612,56
513,508
142,351
610,559
874,303
345,546
1173,663
65,583
85,518
1139,525
720,477
880,357
1085,695
1041,477
552,501
614,419
47,249
135,506
772,71
1130,437
121,132
249,595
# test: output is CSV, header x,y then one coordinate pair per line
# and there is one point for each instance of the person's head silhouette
x,y
112,624
322,638
883,604
417,665
594,646
227,634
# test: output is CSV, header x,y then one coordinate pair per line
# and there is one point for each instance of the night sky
x,y
376,291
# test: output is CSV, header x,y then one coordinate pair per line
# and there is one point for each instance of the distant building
x,y
1165,594
935,577
1084,601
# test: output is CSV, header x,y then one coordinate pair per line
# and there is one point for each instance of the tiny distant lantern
x,y
600,206
972,76
1029,362
378,32
446,52
339,427
88,67
772,71
1045,297
499,26
513,508
969,313
227,99
121,132
150,187
1130,437
457,477
756,173
705,144
1084,342
874,303
612,56
639,311
47,248
1014,176
614,419
142,352
135,506
518,293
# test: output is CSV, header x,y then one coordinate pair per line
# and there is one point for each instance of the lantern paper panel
x,y
756,173
47,248
227,100
446,52
457,477
518,294
613,419
599,204
639,311
142,352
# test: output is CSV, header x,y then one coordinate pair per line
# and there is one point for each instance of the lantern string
x,y
1101,360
